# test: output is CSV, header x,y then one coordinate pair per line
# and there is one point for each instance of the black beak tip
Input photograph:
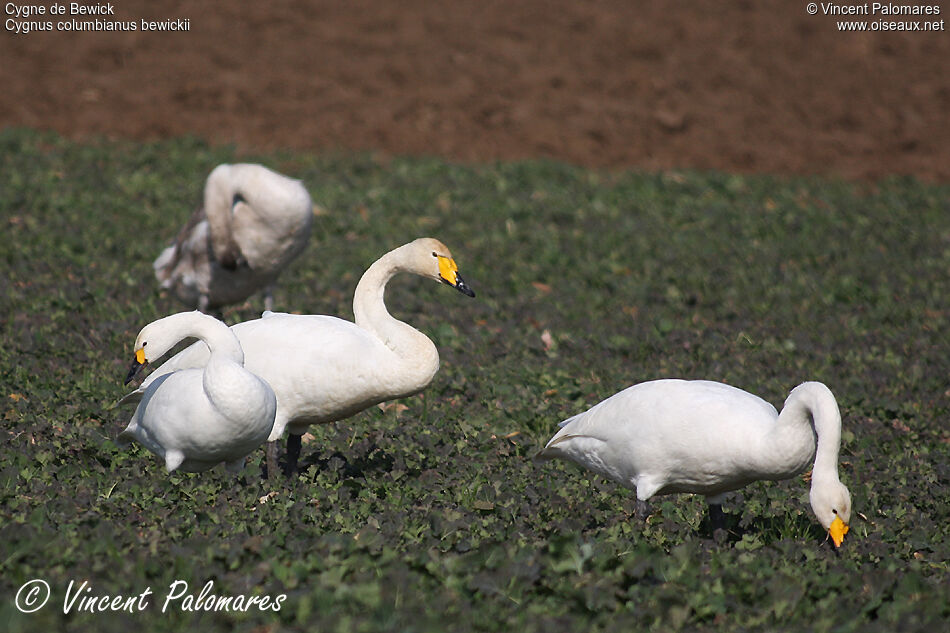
x,y
463,287
133,372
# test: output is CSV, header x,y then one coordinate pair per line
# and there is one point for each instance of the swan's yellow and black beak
x,y
449,273
837,531
138,363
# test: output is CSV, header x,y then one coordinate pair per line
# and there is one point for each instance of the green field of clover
x,y
428,514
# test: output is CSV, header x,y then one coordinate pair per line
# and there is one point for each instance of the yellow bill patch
x,y
837,531
140,356
448,270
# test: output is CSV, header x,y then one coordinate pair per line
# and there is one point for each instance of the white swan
x,y
669,436
197,418
253,223
323,368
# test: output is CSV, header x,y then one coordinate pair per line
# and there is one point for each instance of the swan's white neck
x,y
226,383
370,313
219,338
812,405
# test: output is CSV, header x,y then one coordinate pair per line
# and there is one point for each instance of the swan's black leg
x,y
642,511
293,453
717,518
269,298
270,451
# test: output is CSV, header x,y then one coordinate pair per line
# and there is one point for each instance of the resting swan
x,y
669,436
253,223
196,418
323,368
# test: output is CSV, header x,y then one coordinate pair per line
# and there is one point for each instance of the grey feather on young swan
x,y
252,224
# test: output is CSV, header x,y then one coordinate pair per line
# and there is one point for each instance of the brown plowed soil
x,y
749,86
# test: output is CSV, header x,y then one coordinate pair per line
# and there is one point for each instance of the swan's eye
x,y
434,254
834,511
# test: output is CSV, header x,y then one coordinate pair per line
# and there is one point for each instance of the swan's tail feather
x,y
277,430
552,450
165,264
570,419
133,397
173,459
549,451
126,437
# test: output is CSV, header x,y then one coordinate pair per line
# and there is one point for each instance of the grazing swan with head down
x,y
196,418
253,223
669,436
323,368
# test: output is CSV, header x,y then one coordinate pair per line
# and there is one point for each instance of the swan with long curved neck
x,y
323,368
670,436
252,224
196,418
